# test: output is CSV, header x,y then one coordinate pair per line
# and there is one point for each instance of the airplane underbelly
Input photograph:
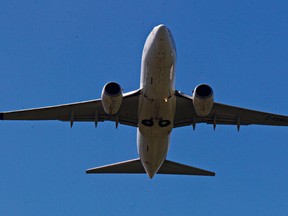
x,y
158,82
156,117
157,101
153,151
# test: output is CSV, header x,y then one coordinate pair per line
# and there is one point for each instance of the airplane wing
x,y
223,114
87,111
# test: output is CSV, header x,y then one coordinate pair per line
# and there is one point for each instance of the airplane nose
x,y
161,31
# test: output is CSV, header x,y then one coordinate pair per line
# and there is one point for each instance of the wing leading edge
x,y
223,114
135,166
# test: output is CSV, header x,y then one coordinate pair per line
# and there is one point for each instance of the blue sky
x,y
55,52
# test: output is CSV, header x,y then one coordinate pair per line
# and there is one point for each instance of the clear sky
x,y
55,52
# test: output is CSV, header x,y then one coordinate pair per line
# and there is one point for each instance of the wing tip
x,y
212,174
88,171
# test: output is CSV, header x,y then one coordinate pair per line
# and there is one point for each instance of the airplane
x,y
154,109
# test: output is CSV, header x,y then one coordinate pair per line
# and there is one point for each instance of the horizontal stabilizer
x,y
170,167
130,166
135,166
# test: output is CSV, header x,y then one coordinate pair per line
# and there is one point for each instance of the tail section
x,y
170,167
130,166
135,166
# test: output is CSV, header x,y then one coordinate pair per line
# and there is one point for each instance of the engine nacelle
x,y
203,99
111,98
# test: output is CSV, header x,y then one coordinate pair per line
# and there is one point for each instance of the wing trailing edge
x,y
135,166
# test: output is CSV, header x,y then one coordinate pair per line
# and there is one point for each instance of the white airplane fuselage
x,y
155,109
157,101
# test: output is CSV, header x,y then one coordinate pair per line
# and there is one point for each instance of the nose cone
x,y
161,31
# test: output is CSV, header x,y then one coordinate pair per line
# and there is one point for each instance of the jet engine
x,y
111,98
203,99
